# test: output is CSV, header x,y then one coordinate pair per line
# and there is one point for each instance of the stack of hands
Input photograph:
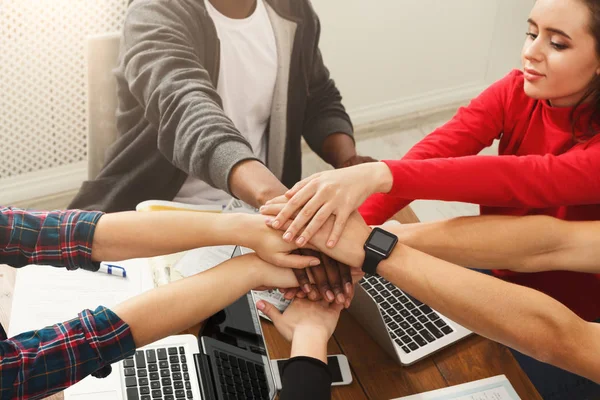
x,y
315,230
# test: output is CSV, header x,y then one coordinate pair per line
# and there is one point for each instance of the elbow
x,y
554,342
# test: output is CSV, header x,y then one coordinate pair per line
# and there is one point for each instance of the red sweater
x,y
538,171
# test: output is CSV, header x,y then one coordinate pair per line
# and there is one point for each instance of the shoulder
x,y
158,11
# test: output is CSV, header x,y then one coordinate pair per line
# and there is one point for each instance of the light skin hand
x,y
269,245
321,195
333,280
349,249
308,325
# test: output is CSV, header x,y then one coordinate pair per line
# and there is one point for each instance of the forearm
x,y
516,316
526,244
338,148
253,183
126,235
196,298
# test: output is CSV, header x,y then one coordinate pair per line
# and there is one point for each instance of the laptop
x,y
229,361
407,329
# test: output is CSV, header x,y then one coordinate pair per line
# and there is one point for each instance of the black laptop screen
x,y
238,324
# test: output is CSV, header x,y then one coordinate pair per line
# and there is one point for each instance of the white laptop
x,y
406,328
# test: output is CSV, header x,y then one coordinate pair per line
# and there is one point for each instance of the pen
x,y
112,269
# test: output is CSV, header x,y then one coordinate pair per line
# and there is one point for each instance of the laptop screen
x,y
239,325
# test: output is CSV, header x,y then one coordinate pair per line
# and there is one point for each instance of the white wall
x,y
392,57
389,58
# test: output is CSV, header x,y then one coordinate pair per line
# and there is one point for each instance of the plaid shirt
x,y
36,364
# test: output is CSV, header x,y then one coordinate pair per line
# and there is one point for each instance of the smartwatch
x,y
378,247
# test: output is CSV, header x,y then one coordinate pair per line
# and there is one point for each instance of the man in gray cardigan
x,y
181,94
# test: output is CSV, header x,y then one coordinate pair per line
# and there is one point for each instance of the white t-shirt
x,y
247,74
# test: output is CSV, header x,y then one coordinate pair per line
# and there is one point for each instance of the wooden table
x,y
375,374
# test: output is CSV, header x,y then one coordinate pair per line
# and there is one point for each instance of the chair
x,y
102,53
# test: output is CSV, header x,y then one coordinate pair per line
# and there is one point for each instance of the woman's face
x,y
559,55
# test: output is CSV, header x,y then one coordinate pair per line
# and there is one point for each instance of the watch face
x,y
382,241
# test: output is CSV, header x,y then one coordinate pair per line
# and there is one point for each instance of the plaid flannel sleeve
x,y
59,238
36,364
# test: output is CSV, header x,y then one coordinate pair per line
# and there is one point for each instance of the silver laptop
x,y
406,328
230,360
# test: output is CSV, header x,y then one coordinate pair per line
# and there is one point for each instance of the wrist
x,y
395,262
253,271
382,177
247,229
265,194
310,341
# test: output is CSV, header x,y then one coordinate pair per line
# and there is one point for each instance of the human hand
x,y
350,247
321,195
320,317
332,281
268,245
356,160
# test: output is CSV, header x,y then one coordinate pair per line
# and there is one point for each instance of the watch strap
x,y
372,260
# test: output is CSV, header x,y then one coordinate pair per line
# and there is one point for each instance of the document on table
x,y
494,388
45,295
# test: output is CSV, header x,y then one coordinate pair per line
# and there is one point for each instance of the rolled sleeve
x,y
36,364
58,238
224,158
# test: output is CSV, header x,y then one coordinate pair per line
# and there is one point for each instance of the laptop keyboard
x,y
411,324
241,379
160,373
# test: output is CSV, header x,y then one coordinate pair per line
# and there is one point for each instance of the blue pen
x,y
112,269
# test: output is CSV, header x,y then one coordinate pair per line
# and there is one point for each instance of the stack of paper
x,y
495,388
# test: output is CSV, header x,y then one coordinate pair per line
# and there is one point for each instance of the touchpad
x,y
111,395
92,388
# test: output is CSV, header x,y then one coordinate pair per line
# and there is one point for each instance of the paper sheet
x,y
495,388
45,295
202,259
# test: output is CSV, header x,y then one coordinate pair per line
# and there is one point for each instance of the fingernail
x,y
312,296
330,243
268,221
262,208
260,305
306,288
348,288
289,296
288,235
276,224
340,298
347,304
314,263
330,296
300,241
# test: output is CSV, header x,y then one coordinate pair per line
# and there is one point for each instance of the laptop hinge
x,y
205,377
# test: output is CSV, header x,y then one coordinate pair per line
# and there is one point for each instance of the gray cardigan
x,y
170,118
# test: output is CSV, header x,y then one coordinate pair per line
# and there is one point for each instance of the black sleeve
x,y
305,378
